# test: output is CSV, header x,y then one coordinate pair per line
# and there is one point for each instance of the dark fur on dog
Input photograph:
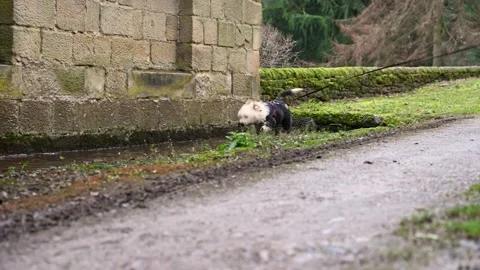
x,y
268,115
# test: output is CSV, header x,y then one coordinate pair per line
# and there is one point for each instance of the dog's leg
x,y
258,128
287,122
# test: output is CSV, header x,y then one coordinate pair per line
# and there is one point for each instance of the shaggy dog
x,y
268,115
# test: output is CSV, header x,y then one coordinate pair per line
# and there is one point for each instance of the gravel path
x,y
321,214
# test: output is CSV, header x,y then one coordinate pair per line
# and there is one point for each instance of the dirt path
x,y
322,214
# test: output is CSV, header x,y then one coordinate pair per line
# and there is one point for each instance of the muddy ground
x,y
336,212
32,213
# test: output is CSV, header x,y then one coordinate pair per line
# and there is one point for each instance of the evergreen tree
x,y
311,22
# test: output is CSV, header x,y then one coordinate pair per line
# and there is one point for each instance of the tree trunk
x,y
438,32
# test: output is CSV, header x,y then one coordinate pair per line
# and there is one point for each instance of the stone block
x,y
126,2
233,10
255,86
95,82
184,56
253,62
71,15
144,84
34,117
83,49
172,28
5,79
257,38
241,85
95,116
226,34
168,6
112,24
8,116
154,26
210,32
10,82
233,108
64,117
148,115
244,36
201,57
163,6
217,11
252,13
220,59
193,112
38,13
222,83
39,81
137,24
6,11
164,54
92,20
102,51
6,44
71,81
172,113
195,8
212,84
26,43
57,46
237,60
122,52
128,114
194,57
141,54
191,30
215,112
116,84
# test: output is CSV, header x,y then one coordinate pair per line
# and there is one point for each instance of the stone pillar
x,y
220,40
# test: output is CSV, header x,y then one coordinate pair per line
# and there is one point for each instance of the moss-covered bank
x,y
384,82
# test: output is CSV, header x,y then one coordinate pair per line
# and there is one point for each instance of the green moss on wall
x,y
71,81
6,11
6,43
7,89
393,80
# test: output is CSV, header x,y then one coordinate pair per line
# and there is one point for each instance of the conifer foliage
x,y
312,23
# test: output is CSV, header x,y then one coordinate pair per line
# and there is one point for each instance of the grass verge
x,y
459,222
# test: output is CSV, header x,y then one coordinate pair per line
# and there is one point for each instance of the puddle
x,y
47,160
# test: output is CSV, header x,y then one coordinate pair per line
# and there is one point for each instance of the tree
x,y
389,31
277,50
311,22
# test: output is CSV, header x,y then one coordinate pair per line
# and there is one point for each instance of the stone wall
x,y
70,67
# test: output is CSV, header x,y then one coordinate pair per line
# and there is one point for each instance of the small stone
x,y
264,255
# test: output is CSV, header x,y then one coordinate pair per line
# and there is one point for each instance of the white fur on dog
x,y
253,112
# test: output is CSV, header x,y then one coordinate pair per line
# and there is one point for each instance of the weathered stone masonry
x,y
70,67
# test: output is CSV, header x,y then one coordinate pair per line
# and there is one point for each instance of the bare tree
x,y
277,50
389,31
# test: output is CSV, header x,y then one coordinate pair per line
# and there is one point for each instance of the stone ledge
x,y
159,84
29,144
